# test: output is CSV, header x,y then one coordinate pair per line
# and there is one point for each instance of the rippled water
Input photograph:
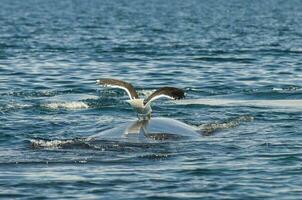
x,y
239,62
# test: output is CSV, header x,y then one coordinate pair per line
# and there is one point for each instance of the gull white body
x,y
141,109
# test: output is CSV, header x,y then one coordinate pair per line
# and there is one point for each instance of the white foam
x,y
18,105
287,89
49,143
230,123
277,89
12,106
67,105
296,49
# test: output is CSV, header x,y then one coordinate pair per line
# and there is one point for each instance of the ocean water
x,y
239,62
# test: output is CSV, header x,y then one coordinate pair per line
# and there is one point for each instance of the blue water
x,y
236,60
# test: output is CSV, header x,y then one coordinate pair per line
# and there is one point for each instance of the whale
x,y
151,130
143,132
162,129
133,132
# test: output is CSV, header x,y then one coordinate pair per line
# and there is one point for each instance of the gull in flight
x,y
142,106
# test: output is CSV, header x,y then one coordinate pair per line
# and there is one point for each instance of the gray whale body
x,y
154,129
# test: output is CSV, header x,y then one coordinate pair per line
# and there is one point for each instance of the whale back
x,y
172,127
148,130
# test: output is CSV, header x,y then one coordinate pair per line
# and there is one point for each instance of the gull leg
x,y
149,116
145,131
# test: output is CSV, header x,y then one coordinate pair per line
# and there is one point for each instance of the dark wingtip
x,y
173,92
177,93
127,86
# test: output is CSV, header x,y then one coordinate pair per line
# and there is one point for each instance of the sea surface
x,y
239,63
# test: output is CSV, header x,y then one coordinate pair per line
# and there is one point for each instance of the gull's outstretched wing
x,y
113,83
167,92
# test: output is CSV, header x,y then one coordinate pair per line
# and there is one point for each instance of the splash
x,y
287,89
87,143
66,105
54,144
13,106
207,129
36,143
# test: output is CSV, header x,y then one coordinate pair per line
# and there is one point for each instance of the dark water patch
x,y
10,195
261,51
280,51
204,172
6,138
157,156
225,59
92,144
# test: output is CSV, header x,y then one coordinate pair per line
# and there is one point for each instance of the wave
x,y
49,143
286,89
207,129
293,103
74,105
88,143
224,59
33,93
13,106
56,143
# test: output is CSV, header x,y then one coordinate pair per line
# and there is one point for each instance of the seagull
x,y
142,106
